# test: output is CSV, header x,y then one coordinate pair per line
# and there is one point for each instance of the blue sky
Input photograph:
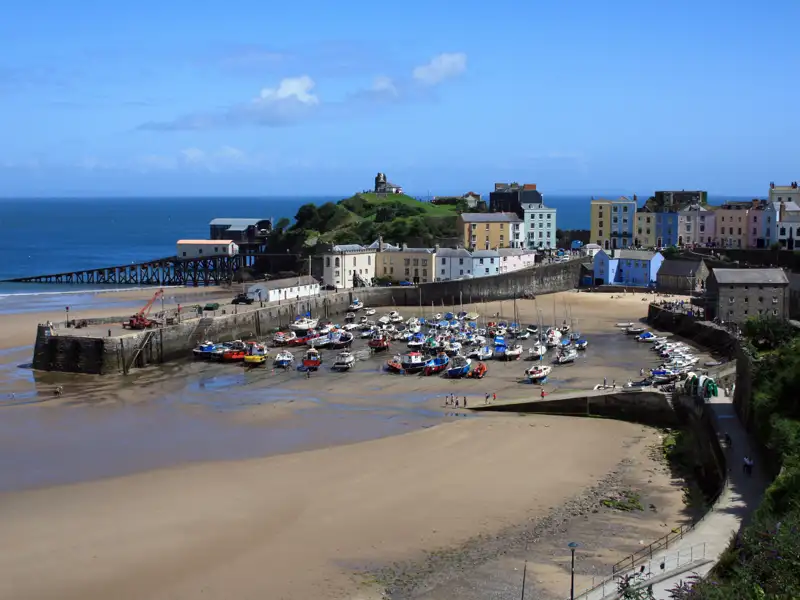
x,y
248,97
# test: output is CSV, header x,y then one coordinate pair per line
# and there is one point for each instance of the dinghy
x,y
513,352
567,356
478,371
283,360
344,361
356,305
482,353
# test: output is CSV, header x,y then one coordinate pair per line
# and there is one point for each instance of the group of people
x,y
452,400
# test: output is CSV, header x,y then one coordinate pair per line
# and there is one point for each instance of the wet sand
x,y
316,485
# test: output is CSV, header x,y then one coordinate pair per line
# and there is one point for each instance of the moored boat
x,y
538,350
344,361
284,359
581,344
567,356
303,324
369,311
513,352
234,352
256,355
283,337
472,316
356,305
538,373
378,341
459,366
204,350
341,339
437,364
482,353
312,359
634,330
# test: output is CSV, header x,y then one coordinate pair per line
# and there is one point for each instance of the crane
x,y
141,320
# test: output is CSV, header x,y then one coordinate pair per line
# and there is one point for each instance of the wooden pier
x,y
172,270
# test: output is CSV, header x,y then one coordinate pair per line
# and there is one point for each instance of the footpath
x,y
700,548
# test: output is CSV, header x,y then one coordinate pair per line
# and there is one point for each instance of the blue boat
x,y
459,366
448,316
205,350
500,351
565,342
499,340
437,364
581,344
443,324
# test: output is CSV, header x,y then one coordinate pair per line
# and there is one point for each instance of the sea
x,y
56,235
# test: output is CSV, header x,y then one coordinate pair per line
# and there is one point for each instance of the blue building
x,y
485,263
626,267
666,229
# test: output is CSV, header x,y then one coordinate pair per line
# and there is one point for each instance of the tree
x,y
307,217
283,223
671,252
767,332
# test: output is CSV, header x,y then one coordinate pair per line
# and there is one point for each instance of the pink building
x,y
514,259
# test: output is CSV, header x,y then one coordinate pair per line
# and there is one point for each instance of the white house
x,y
453,263
591,249
788,227
514,259
290,289
205,248
348,265
540,226
485,263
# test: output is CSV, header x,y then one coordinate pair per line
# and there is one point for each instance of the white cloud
x,y
193,156
291,88
384,84
441,67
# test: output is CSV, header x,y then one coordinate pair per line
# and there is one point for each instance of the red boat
x,y
479,371
437,364
312,359
302,341
379,342
233,355
394,365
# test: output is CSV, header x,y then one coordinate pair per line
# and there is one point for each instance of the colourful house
x,y
626,267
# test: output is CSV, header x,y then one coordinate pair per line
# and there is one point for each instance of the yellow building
x,y
645,234
731,223
417,265
601,223
614,222
488,231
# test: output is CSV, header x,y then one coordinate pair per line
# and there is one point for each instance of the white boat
x,y
367,333
634,330
395,317
413,362
303,324
538,373
384,320
344,361
322,341
356,305
437,317
513,352
537,350
624,325
482,353
369,311
567,357
350,326
522,335
350,317
284,359
283,337
472,316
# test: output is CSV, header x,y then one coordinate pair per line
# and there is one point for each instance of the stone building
x,y
735,295
682,276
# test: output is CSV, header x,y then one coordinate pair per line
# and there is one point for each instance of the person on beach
x,y
728,440
308,373
456,402
641,372
745,464
614,384
494,397
542,394
605,382
486,400
465,402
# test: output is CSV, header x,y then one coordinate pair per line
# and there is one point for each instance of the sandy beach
x,y
200,479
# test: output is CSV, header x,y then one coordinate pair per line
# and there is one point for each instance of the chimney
x,y
436,248
772,185
380,243
405,246
755,202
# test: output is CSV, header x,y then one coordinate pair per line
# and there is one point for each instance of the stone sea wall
x,y
110,355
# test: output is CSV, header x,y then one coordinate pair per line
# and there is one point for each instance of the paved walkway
x,y
740,497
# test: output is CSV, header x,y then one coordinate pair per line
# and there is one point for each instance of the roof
x,y
490,218
471,194
515,251
674,267
635,254
376,245
453,253
350,248
485,254
237,224
289,282
206,242
750,276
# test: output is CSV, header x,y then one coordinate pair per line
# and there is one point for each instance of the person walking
x,y
465,402
486,400
605,382
494,397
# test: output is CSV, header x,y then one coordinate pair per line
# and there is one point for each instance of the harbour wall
x,y
119,354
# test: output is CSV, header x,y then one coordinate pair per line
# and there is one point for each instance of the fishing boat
x,y
341,339
204,350
416,341
581,344
624,325
532,329
513,352
312,359
350,317
282,338
219,351
378,341
453,347
369,311
459,366
538,373
302,324
350,326
436,365
410,362
283,360
368,333
478,371
256,355
499,352
482,353
234,352
634,330
322,341
437,317
395,317
472,316
344,361
356,305
304,339
538,350
567,356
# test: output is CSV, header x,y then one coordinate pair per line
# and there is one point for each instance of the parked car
x,y
211,306
406,283
242,299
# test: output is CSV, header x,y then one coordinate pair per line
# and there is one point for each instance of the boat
x,y
437,364
204,350
567,356
283,337
523,335
459,366
437,317
312,359
368,333
234,352
624,325
532,329
219,351
350,326
395,317
326,327
448,316
538,373
499,352
356,305
283,360
304,339
322,341
482,353
369,311
645,336
538,350
303,324
461,315
581,344
513,352
634,330
256,355
344,361
341,339
378,341
478,371
453,347
350,317
410,362
384,320
472,316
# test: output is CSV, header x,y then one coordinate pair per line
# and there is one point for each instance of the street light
x,y
572,546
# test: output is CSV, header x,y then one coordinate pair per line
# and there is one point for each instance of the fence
x,y
648,570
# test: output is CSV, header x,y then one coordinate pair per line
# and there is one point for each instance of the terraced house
x,y
696,226
417,265
731,224
490,230
613,222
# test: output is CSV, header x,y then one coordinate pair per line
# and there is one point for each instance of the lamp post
x,y
572,546
67,310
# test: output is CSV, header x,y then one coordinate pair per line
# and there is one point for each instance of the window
x,y
201,250
336,262
442,271
354,261
481,261
487,271
774,311
474,225
783,232
461,261
624,209
424,272
461,271
541,216
337,272
487,227
329,260
407,262
416,262
408,272
740,229
549,215
444,261
774,299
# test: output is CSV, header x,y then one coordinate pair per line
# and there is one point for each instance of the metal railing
x,y
630,562
648,570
